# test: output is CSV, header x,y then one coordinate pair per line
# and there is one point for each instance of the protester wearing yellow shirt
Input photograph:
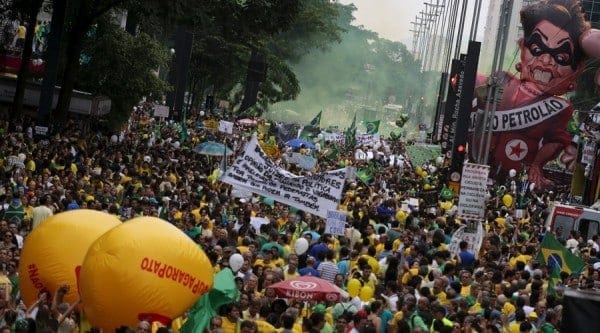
x,y
438,291
231,320
465,281
372,261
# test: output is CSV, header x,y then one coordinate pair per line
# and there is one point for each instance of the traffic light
x,y
458,157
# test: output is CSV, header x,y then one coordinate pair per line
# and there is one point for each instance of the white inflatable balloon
x,y
235,262
439,161
301,245
114,138
512,172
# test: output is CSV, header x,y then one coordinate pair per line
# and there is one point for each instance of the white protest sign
x,y
336,222
225,126
337,138
473,239
473,186
588,153
41,130
316,193
365,139
161,111
256,222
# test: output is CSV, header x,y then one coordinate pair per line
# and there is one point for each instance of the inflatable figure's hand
x,y
569,157
590,43
535,175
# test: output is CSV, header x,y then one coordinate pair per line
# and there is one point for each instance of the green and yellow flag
x,y
372,126
316,122
553,253
554,280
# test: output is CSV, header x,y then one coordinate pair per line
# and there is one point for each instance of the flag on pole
x,y
350,135
316,122
224,161
364,175
184,131
224,291
372,126
553,253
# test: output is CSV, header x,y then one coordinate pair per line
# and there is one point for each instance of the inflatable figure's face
x,y
548,60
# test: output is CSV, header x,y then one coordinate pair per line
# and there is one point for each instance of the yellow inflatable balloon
x,y
144,269
446,205
418,171
507,200
54,250
400,215
354,287
366,293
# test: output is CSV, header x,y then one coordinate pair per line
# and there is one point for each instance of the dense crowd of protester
x,y
399,251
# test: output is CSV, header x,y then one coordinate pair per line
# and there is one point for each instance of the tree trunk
x,y
257,72
74,48
25,58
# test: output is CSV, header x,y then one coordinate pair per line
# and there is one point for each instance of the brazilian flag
x,y
372,126
553,253
316,122
364,175
554,280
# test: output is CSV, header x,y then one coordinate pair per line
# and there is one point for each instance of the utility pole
x,y
427,20
432,26
483,129
416,30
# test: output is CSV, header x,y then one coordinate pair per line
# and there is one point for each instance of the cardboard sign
x,y
336,222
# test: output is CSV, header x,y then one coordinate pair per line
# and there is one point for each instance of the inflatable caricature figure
x,y
530,123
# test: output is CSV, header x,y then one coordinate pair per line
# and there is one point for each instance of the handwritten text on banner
x,y
316,194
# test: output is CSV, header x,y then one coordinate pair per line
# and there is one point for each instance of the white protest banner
x,y
316,194
473,186
161,111
474,239
225,126
336,222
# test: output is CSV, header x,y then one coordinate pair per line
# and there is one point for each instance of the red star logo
x,y
516,149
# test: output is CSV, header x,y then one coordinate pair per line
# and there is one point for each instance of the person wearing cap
x,y
532,318
323,318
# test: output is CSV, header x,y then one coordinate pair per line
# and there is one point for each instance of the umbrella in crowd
x,y
212,148
270,245
297,143
306,288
